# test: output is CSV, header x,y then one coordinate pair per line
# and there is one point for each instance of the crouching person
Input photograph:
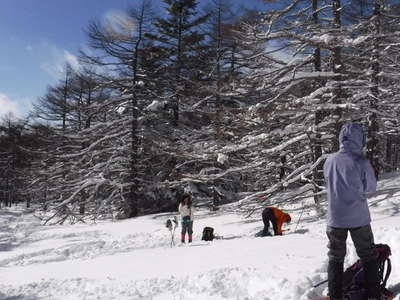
x,y
186,211
276,217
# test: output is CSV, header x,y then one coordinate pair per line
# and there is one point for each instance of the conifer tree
x,y
179,38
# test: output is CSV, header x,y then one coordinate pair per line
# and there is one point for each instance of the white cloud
x,y
119,24
56,60
72,60
7,106
15,107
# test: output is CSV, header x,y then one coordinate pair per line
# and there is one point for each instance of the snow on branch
x,y
253,141
267,194
94,144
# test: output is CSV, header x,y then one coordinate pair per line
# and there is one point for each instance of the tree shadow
x,y
395,289
300,231
165,215
198,245
18,297
386,193
232,237
9,213
244,221
5,247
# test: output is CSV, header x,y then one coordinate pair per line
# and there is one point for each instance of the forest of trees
x,y
229,105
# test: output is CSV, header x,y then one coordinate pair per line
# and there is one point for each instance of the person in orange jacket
x,y
276,217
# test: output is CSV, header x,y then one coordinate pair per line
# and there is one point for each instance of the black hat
x,y
184,196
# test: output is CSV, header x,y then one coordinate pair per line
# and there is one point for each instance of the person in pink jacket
x,y
186,211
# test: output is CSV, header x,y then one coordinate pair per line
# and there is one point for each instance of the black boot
x,y
335,279
372,279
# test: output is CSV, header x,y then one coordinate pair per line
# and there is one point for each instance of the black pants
x,y
269,216
363,240
187,227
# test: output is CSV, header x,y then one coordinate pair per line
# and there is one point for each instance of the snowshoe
x,y
261,233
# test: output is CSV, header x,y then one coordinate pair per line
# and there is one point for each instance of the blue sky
x,y
38,37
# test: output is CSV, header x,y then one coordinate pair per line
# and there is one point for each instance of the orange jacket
x,y
281,218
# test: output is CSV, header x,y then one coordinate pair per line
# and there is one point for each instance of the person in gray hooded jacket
x,y
349,176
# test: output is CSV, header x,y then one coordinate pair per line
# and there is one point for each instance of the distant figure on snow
x,y
349,176
186,211
276,217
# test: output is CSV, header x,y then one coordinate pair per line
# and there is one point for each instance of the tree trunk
x,y
318,117
373,126
282,167
397,153
389,157
217,104
337,68
216,198
318,173
178,67
317,51
131,204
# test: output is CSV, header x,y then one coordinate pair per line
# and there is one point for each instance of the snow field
x,y
132,259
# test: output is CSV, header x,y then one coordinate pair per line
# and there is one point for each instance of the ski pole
x,y
321,283
299,218
175,221
173,235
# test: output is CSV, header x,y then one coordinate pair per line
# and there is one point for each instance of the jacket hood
x,y
351,137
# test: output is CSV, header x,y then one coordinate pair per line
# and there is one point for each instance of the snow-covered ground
x,y
132,259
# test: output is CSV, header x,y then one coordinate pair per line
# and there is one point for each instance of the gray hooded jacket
x,y
349,176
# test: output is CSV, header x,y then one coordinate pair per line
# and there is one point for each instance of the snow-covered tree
x,y
179,38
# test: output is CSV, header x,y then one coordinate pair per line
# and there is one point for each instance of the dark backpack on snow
x,y
208,234
354,279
